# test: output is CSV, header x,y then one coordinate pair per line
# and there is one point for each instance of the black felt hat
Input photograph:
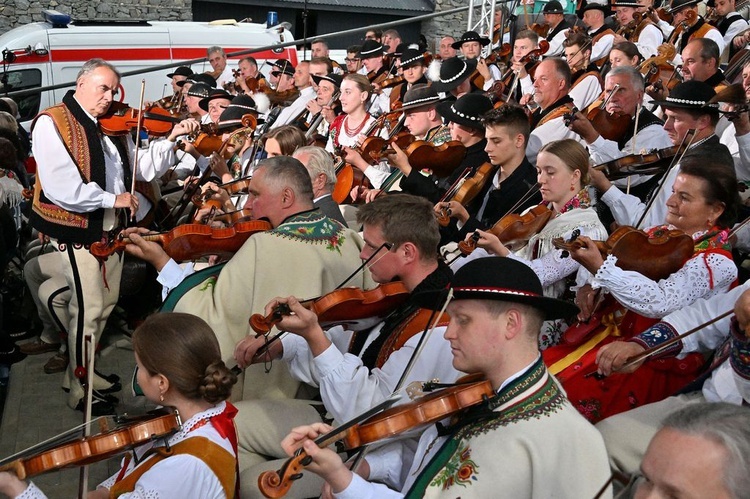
x,y
502,279
203,78
553,7
216,93
453,72
625,3
690,95
418,96
678,5
332,77
284,70
604,7
239,107
398,52
181,71
370,49
470,36
412,57
199,90
468,110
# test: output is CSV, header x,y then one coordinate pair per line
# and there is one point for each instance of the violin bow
x,y
137,144
90,353
650,352
675,161
265,348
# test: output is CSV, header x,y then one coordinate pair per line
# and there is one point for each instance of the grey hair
x,y
727,425
213,49
318,161
92,65
285,171
635,76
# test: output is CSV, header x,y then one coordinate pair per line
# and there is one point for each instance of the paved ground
x,y
35,410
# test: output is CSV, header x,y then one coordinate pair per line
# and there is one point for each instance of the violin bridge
x,y
419,388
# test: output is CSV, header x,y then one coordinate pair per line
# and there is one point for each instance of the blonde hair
x,y
573,154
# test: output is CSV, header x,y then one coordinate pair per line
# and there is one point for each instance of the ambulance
x,y
48,53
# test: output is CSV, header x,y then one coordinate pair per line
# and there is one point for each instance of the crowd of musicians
x,y
556,210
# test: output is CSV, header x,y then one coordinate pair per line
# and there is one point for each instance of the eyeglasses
x,y
352,60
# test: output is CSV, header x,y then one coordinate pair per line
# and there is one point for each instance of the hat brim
x,y
424,103
484,41
444,110
710,108
203,103
684,5
551,308
317,79
439,86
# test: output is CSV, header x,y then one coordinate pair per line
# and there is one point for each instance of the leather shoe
x,y
57,364
38,346
98,408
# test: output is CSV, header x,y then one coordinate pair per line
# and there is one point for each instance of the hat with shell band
x,y
502,279
199,90
470,36
418,96
468,110
453,72
690,95
370,49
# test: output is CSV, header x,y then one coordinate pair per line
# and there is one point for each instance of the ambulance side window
x,y
28,105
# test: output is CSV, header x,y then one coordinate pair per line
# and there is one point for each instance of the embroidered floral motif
x,y
313,228
208,283
459,470
590,408
580,200
656,335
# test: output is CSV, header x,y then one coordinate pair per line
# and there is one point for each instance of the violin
x,y
421,412
467,191
691,17
513,230
174,104
611,126
502,52
208,142
120,119
540,29
657,70
656,257
649,163
189,241
87,450
343,306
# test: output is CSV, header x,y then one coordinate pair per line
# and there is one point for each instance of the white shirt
x,y
295,108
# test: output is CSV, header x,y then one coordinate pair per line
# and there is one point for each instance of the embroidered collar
x,y
195,422
581,200
312,227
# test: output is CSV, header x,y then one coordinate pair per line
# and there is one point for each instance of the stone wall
x,y
18,12
451,24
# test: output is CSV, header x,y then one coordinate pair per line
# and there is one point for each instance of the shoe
x,y
98,408
38,346
15,355
57,364
26,334
112,378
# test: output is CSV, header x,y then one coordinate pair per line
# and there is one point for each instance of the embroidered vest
x,y
47,217
221,462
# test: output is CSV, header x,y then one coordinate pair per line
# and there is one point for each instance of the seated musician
x,y
704,204
283,141
700,451
371,54
700,62
354,370
646,36
297,107
562,172
248,70
471,44
195,93
445,48
626,100
222,73
353,62
305,253
525,440
551,92
464,118
624,54
452,76
554,16
327,85
602,36
278,66
319,165
728,382
180,73
730,24
179,366
349,129
699,29
585,81
685,109
413,67
512,188
424,122
526,41
218,99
